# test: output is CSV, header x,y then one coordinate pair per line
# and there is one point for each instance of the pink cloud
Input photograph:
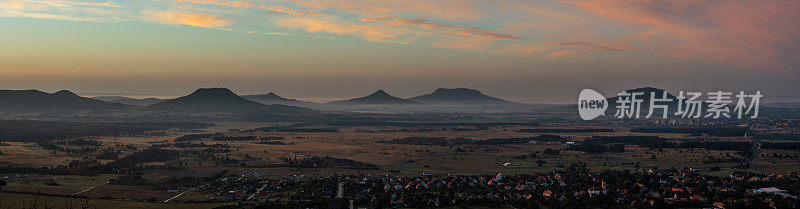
x,y
581,44
752,33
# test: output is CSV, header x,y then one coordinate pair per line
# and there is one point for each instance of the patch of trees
x,y
566,130
494,141
23,169
656,142
193,137
420,140
126,147
81,142
271,142
717,145
48,145
644,141
441,141
550,151
201,144
290,129
216,175
52,146
74,167
327,162
271,138
218,150
521,140
481,126
108,154
134,179
234,138
781,145
144,156
184,181
221,137
417,130
27,130
712,160
597,148
778,136
720,131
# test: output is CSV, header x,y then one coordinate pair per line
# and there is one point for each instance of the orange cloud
x,y
44,10
13,13
445,9
375,33
286,10
466,43
564,53
187,18
251,4
58,3
444,28
227,3
319,25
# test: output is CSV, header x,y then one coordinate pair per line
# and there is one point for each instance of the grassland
x,y
366,145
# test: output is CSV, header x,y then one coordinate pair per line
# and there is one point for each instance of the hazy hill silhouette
x,y
646,97
272,98
64,100
645,105
221,100
459,96
129,101
380,97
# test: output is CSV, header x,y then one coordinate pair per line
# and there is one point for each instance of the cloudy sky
x,y
528,51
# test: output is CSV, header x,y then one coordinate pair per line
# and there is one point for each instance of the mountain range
x,y
224,100
272,98
380,97
221,100
64,100
459,96
129,101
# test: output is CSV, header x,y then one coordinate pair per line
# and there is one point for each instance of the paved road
x,y
87,189
257,191
756,148
176,196
340,191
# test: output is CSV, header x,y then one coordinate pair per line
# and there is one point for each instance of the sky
x,y
542,51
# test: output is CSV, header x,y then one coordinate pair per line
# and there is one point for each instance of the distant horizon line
x,y
770,99
173,96
309,99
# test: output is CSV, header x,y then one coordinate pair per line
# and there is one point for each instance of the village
x,y
571,188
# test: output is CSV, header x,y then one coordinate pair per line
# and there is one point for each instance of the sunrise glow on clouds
x,y
735,32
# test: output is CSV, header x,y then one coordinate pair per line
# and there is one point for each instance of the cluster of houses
x,y
651,188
